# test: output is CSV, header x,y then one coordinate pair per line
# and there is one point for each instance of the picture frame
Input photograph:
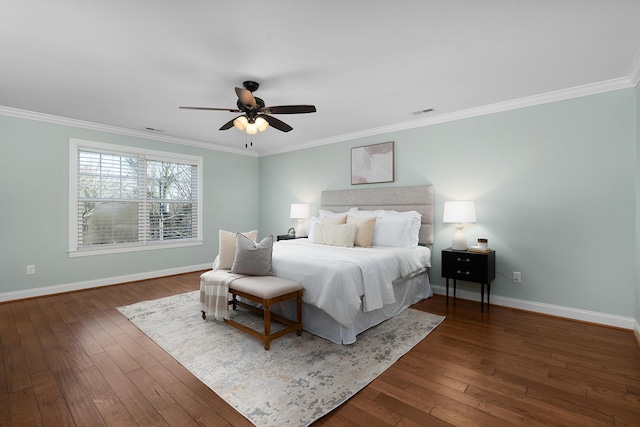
x,y
372,164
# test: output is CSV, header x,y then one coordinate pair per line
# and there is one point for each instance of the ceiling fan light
x,y
252,129
261,124
241,123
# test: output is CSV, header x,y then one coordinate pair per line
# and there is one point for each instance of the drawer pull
x,y
464,259
463,272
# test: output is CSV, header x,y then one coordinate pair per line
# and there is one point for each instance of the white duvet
x,y
344,281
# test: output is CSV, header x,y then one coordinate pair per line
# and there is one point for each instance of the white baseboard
x,y
77,286
537,307
553,310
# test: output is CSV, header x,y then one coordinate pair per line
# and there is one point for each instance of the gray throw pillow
x,y
253,259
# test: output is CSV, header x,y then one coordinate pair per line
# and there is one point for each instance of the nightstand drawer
x,y
472,267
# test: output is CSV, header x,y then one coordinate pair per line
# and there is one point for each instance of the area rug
x,y
297,381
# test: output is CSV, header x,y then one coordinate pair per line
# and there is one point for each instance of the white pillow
x,y
312,225
335,234
362,213
227,247
395,229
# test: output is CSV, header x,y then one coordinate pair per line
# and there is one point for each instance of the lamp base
x,y
300,229
459,242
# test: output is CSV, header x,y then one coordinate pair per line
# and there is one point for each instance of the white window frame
x,y
78,144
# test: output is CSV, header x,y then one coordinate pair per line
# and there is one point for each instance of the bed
x,y
349,290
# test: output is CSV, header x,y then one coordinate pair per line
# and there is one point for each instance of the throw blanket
x,y
214,292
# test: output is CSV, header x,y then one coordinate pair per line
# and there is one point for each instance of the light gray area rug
x,y
297,381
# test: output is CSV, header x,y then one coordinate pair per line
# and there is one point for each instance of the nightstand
x,y
286,237
469,266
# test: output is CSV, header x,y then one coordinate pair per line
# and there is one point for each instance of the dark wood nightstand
x,y
286,237
469,266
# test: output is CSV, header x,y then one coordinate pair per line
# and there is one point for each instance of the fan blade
x,y
276,123
289,109
229,124
231,110
246,97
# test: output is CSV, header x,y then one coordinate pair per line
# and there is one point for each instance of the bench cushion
x,y
265,287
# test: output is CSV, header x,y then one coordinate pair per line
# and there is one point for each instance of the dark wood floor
x,y
73,359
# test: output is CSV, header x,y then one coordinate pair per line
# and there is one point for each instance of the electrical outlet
x,y
31,269
517,277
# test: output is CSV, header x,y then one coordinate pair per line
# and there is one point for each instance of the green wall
x,y
554,187
34,169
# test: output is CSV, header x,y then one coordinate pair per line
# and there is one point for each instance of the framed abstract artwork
x,y
372,163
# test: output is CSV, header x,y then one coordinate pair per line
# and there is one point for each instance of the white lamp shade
x,y
300,211
463,211
252,129
459,212
261,124
241,123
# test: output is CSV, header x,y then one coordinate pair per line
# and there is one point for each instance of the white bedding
x,y
345,281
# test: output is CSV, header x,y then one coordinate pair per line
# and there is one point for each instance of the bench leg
x,y
267,324
299,312
267,319
267,337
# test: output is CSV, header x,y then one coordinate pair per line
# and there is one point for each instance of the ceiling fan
x,y
256,117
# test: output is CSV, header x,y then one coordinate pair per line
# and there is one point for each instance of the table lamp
x,y
458,213
300,211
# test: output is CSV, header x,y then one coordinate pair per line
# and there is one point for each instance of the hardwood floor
x,y
73,359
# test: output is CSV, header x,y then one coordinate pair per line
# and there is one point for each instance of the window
x,y
124,199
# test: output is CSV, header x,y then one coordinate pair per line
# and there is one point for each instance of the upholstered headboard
x,y
418,198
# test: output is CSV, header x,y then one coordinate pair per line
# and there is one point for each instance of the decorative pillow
x,y
335,234
364,231
227,247
323,214
342,219
253,259
328,216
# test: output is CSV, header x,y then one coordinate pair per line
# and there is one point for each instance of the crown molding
x,y
65,121
545,98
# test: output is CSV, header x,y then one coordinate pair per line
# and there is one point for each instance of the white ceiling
x,y
367,66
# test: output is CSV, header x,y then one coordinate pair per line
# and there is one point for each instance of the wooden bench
x,y
266,290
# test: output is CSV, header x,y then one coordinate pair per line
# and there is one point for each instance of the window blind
x,y
134,199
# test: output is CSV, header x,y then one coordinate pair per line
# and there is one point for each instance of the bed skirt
x,y
407,292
